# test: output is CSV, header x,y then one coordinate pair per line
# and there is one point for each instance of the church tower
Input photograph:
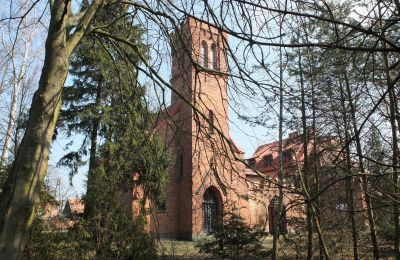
x,y
204,181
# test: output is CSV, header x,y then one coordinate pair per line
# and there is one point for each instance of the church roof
x,y
266,157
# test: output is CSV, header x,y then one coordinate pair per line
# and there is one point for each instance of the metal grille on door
x,y
210,211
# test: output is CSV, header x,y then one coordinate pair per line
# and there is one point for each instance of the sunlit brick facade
x,y
209,177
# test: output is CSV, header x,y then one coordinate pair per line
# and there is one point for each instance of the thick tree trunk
x,y
29,167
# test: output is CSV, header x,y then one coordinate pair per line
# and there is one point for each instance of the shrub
x,y
234,239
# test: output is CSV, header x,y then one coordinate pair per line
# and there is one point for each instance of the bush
x,y
234,239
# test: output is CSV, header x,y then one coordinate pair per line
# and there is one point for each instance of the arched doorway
x,y
273,216
212,210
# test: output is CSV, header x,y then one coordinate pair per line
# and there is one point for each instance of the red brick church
x,y
208,177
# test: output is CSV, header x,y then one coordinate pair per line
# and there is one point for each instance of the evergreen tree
x,y
94,70
235,240
107,105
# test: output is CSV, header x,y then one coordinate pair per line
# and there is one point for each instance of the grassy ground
x,y
185,250
174,249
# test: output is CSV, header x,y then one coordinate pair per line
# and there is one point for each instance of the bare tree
x,y
254,30
20,58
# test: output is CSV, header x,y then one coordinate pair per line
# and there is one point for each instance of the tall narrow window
x,y
211,121
204,54
181,165
214,57
212,216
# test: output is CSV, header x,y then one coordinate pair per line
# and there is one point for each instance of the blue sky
x,y
247,137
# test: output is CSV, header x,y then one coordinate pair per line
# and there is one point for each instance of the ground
x,y
174,249
185,250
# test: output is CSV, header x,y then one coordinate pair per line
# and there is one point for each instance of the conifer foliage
x,y
106,104
235,240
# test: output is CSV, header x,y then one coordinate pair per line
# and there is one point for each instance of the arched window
x,y
204,54
211,208
214,57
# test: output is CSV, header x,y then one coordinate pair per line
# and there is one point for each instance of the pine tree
x,y
107,105
94,70
235,240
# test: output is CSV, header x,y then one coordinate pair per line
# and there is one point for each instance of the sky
x,y
247,137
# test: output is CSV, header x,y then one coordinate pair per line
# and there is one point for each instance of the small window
x,y
211,122
287,156
180,165
268,159
214,57
204,54
251,162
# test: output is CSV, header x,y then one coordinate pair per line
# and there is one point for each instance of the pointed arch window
x,y
212,217
214,57
204,54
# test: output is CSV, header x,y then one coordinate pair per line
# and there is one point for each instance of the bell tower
x,y
199,71
200,83
202,184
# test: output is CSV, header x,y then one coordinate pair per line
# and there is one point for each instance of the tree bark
x,y
394,123
30,165
18,76
349,180
92,158
276,232
395,155
367,197
306,169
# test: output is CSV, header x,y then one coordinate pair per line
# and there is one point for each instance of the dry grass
x,y
185,250
175,249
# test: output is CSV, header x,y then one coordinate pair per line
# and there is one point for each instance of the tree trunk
x,y
92,158
17,78
349,180
10,125
276,232
367,198
306,169
395,155
394,123
29,167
